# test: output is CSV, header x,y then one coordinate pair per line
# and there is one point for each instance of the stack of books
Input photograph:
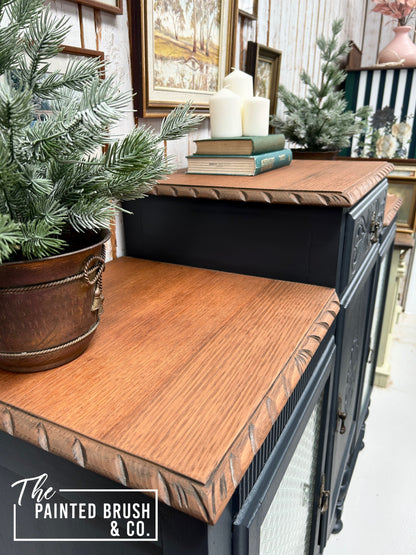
x,y
239,155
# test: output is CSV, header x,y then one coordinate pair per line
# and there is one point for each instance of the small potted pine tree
x,y
320,122
62,177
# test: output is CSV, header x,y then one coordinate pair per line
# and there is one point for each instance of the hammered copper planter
x,y
50,308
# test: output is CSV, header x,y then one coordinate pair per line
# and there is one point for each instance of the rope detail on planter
x,y
51,349
87,271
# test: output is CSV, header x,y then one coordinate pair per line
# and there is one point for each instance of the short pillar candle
x,y
225,112
256,111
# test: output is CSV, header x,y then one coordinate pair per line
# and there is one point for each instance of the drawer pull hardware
x,y
342,416
374,228
324,496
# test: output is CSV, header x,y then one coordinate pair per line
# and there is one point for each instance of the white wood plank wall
x,y
291,26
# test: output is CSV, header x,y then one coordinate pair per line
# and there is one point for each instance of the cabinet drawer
x,y
363,226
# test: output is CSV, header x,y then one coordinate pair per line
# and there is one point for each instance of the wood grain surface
x,y
184,379
310,182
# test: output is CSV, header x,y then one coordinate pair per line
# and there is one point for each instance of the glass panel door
x,y
286,528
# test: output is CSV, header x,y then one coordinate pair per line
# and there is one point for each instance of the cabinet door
x,y
287,526
352,345
375,329
281,513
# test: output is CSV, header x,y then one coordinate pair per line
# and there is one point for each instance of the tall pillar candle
x,y
240,83
225,112
256,111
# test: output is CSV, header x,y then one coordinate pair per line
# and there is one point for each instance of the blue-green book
x,y
239,165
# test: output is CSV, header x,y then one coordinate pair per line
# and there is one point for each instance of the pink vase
x,y
401,50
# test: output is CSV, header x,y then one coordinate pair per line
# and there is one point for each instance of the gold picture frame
x,y
172,62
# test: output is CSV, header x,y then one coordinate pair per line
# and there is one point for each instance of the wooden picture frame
x,y
67,53
169,65
78,51
248,8
263,63
402,182
112,6
353,60
60,62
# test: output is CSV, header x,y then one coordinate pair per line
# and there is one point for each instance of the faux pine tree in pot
x,y
320,121
62,177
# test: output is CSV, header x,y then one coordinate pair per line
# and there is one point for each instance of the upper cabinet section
x,y
304,182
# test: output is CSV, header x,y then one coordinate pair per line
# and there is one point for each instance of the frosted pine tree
x,y
321,121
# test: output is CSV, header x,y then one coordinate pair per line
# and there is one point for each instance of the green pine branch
x,y
180,121
60,167
10,237
40,239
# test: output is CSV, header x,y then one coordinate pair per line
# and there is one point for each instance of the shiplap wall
x,y
291,26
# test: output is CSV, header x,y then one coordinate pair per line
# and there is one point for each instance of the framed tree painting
x,y
181,50
113,6
263,63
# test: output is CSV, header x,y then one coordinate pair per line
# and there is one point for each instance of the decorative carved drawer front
x,y
362,230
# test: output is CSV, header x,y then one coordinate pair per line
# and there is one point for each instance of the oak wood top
x,y
309,182
187,373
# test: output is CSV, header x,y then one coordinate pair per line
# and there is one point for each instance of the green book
x,y
239,165
240,145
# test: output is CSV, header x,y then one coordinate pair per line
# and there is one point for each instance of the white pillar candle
x,y
225,112
240,83
256,112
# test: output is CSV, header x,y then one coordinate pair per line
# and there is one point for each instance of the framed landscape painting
x,y
181,50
